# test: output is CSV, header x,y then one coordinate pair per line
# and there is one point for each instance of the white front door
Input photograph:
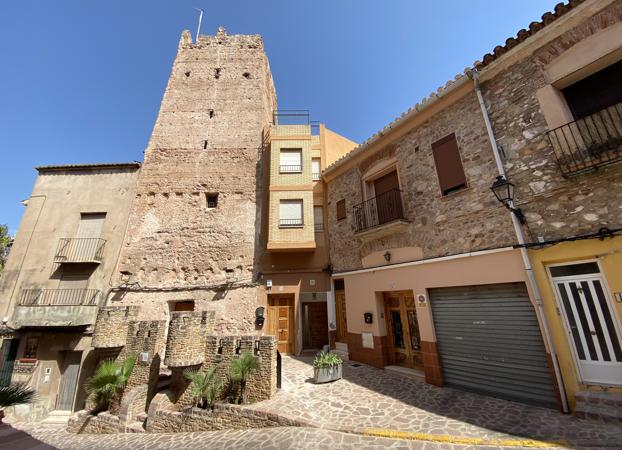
x,y
591,323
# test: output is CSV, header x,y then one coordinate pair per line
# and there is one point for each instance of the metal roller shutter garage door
x,y
489,342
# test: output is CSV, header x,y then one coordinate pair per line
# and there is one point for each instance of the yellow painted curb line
x,y
447,439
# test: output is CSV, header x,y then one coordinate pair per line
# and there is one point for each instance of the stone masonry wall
x,y
185,345
111,326
467,220
555,206
224,417
206,140
219,352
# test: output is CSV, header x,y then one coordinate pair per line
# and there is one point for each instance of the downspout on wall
x,y
474,75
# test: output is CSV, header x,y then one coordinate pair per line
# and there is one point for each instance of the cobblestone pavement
x,y
370,398
259,439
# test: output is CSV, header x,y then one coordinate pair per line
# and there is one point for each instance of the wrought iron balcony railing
x,y
319,227
379,210
315,176
79,250
590,142
59,297
290,168
291,223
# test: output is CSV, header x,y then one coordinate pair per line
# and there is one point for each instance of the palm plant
x,y
109,380
15,394
204,387
239,371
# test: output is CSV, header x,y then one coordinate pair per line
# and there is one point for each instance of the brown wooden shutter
x,y
341,209
386,183
448,164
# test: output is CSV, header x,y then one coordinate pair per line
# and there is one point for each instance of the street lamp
x,y
504,191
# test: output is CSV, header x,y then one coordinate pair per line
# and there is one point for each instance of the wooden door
x,y
281,322
315,325
68,381
340,312
403,330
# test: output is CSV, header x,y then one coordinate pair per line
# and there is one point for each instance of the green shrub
x,y
204,387
109,381
15,394
239,371
326,359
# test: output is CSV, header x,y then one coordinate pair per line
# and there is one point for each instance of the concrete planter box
x,y
327,374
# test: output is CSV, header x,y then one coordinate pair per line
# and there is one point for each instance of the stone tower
x,y
192,230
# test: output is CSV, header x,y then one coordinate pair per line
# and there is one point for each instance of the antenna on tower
x,y
199,27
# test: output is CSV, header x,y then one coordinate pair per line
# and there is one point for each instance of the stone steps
x,y
603,406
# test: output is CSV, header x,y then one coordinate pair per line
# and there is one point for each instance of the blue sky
x,y
81,81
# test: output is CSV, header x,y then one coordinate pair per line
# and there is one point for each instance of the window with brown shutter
x,y
341,209
448,164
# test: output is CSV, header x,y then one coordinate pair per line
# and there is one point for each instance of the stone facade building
x,y
57,274
440,279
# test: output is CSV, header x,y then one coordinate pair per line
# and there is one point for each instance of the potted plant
x,y
15,394
327,367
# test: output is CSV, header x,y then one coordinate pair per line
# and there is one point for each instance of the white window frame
x,y
290,164
291,220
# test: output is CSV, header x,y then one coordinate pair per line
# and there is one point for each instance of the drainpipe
x,y
474,75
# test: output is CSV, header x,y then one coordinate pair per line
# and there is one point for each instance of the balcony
x,y
291,223
80,250
58,297
56,307
319,227
590,142
380,216
290,168
315,176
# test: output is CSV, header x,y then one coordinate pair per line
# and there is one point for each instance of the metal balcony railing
x,y
315,176
590,142
290,169
379,210
79,250
319,227
59,297
291,223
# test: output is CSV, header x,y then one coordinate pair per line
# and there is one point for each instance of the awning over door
x,y
489,342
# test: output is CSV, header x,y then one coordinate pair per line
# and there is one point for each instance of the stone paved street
x,y
266,438
370,398
367,400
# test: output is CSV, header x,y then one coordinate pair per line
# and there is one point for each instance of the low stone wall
x,y
224,417
103,423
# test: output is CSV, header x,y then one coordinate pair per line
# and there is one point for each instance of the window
x,y
315,169
291,160
184,305
91,225
290,213
596,92
318,218
341,209
448,164
212,200
30,349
